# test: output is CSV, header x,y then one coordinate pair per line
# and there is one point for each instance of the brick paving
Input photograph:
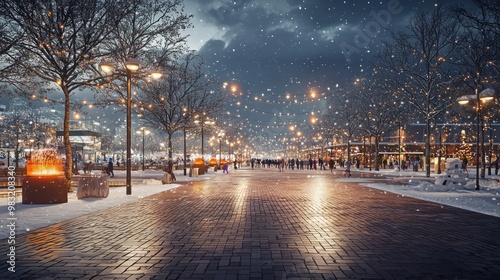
x,y
265,224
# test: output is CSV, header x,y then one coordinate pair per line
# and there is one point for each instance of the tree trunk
x,y
169,145
16,154
377,163
428,147
68,171
483,151
349,149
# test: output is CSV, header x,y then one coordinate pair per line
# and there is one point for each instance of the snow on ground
x,y
486,200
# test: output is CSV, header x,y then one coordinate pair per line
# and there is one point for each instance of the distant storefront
x,y
85,144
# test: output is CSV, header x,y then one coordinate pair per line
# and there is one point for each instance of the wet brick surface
x,y
265,224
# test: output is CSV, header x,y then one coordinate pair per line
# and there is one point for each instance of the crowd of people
x,y
413,163
324,164
292,164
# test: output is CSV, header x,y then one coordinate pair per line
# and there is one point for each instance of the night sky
x,y
278,52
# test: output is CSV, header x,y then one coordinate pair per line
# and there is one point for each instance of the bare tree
x,y
328,126
233,131
489,13
477,57
171,103
418,61
150,33
64,39
379,109
61,41
14,133
9,37
345,116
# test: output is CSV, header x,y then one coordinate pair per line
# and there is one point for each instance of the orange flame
x,y
44,163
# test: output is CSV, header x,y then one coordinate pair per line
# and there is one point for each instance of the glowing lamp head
x,y
106,67
132,64
155,74
462,100
487,95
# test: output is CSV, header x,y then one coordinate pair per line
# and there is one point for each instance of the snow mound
x,y
431,187
486,185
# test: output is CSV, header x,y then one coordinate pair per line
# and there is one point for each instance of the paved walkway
x,y
263,224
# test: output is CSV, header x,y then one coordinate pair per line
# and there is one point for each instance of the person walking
x,y
415,164
331,164
347,172
496,162
170,169
464,165
110,168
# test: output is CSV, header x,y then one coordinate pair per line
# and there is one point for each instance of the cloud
x,y
278,47
268,38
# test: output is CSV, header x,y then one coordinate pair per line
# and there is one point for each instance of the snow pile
x,y
485,201
486,186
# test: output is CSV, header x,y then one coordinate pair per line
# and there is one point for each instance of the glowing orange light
x,y
44,163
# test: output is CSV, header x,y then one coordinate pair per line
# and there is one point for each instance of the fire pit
x,y
200,164
44,182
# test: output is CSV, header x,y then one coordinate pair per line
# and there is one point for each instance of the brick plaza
x,y
265,224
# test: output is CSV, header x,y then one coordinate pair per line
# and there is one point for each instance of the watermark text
x,y
11,219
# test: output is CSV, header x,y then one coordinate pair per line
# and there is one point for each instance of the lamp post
x,y
490,149
185,151
370,155
364,151
399,147
440,150
230,145
484,96
143,131
203,121
131,67
221,134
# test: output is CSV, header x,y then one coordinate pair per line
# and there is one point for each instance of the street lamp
x,y
221,135
230,145
485,95
203,121
131,67
399,147
440,150
370,152
490,149
143,131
